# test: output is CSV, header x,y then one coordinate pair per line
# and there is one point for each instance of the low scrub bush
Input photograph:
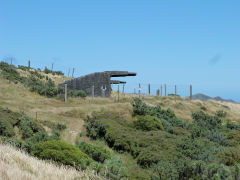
x,y
230,156
98,154
77,93
221,114
62,153
148,123
6,128
164,170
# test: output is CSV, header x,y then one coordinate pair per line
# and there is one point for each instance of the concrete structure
x,y
97,84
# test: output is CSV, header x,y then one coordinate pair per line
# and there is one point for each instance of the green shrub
x,y
233,138
198,149
217,171
206,121
77,93
148,123
115,169
28,127
139,108
47,71
61,126
24,68
10,73
63,153
164,170
96,153
6,128
232,126
95,129
221,114
217,136
230,156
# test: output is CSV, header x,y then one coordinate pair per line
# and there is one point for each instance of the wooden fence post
x,y
123,91
65,93
139,90
118,91
149,89
190,92
73,72
158,92
165,86
175,90
93,91
161,91
69,72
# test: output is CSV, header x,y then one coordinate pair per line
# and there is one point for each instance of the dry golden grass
x,y
15,164
17,98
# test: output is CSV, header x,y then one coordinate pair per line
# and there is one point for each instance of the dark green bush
x,y
115,169
28,127
95,129
221,114
217,136
10,72
24,68
164,170
206,121
148,123
231,125
6,128
198,149
139,108
62,153
230,156
77,93
98,154
47,71
61,126
233,138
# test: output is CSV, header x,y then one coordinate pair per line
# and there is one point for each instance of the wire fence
x,y
155,89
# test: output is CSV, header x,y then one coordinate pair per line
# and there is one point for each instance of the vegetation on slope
x,y
35,80
16,164
203,149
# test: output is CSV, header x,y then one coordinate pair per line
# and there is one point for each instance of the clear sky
x,y
165,41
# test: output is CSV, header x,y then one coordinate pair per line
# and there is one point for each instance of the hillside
x,y
132,138
204,97
15,164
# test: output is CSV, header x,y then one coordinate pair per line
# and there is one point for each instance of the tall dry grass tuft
x,y
15,164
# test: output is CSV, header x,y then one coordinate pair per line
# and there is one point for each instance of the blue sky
x,y
171,41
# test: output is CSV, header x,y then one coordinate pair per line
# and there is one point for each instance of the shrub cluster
x,y
169,147
96,153
148,123
77,93
48,71
62,153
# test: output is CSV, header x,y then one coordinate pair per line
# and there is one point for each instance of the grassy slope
x,y
15,164
17,98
